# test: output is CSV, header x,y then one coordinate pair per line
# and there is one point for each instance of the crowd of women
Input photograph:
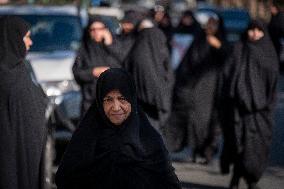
x,y
135,107
217,91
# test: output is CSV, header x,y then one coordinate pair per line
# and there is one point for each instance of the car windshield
x,y
54,33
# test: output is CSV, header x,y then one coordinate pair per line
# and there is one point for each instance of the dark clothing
x,y
276,31
148,62
104,156
250,80
193,29
192,121
91,55
22,112
122,45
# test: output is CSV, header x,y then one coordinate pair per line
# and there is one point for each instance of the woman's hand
x,y
213,41
98,70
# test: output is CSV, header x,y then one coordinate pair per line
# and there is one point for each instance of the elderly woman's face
x,y
116,107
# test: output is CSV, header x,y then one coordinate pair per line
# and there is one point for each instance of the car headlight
x,y
57,88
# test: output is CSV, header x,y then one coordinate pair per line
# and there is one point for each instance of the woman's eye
x,y
122,99
107,100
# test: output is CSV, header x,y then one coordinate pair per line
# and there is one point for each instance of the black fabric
x,y
249,82
193,29
22,112
148,62
193,120
276,31
122,45
90,55
103,156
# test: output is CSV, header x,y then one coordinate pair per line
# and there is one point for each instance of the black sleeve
x,y
82,72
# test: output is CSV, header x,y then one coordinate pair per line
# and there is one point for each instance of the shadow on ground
x,y
187,185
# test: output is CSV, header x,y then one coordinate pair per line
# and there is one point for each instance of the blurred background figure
x,y
124,42
22,111
163,20
92,59
148,62
250,80
188,24
193,122
184,34
276,28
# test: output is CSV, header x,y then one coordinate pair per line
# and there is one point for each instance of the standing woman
x,y
115,146
22,110
92,59
148,62
250,86
193,119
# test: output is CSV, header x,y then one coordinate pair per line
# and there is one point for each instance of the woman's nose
x,y
116,105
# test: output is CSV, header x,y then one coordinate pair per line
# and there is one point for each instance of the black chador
x,y
91,54
250,81
193,121
102,155
148,63
22,112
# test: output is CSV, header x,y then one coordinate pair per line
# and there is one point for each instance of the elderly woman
x,y
115,146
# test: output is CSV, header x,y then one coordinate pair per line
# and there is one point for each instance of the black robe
x,y
91,55
276,31
148,62
192,122
122,45
249,82
22,112
103,156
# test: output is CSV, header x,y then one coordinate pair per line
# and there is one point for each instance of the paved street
x,y
196,176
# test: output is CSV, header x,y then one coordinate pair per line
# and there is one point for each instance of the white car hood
x,y
54,66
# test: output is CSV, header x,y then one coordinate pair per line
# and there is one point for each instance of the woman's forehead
x,y
114,92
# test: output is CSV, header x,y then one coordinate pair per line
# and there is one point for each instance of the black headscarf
x,y
249,94
103,156
12,48
148,62
193,29
22,112
251,58
90,55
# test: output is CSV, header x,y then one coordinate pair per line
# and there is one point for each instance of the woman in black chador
x,y
193,119
250,86
148,62
92,59
115,147
22,111
188,24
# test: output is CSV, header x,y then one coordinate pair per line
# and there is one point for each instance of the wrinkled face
x,y
116,107
27,40
255,34
97,30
